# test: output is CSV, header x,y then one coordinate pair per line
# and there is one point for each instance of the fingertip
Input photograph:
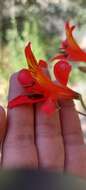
x,y
15,88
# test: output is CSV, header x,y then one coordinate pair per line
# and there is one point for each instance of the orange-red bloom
x,y
70,49
38,86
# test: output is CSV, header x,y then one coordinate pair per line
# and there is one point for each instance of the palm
x,y
37,140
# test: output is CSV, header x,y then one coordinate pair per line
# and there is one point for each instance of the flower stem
x,y
81,113
82,102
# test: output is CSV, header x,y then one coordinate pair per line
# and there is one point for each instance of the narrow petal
x,y
21,100
71,41
31,60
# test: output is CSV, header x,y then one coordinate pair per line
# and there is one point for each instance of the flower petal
x,y
25,77
49,106
43,63
62,70
31,60
23,99
75,55
70,39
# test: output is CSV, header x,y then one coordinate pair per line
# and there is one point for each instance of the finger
x,y
49,139
19,149
2,124
2,129
75,150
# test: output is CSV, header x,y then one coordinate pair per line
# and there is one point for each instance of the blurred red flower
x,y
70,50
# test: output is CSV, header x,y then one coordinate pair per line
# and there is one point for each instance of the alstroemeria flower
x,y
38,86
70,48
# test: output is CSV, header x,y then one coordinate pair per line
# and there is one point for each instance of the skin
x,y
35,139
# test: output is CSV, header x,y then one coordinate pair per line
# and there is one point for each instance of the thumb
x,y
2,129
2,124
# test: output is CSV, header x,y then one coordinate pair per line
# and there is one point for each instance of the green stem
x,y
81,113
82,102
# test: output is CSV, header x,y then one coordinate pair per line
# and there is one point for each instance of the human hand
x,y
37,140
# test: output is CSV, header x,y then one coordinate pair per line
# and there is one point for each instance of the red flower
x,y
38,86
70,48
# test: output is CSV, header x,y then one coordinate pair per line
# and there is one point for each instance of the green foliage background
x,y
42,23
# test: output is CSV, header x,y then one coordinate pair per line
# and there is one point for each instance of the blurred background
x,y
42,23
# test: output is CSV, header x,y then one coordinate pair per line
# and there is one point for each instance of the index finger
x,y
19,148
